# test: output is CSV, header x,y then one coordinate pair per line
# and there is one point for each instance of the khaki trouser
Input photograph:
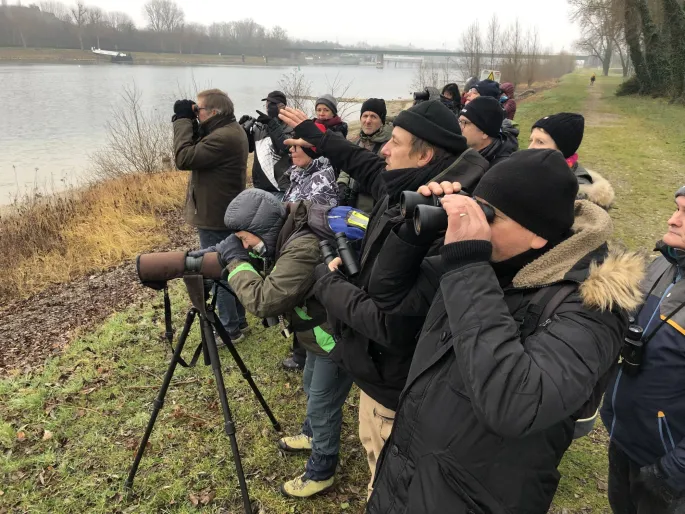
x,y
375,425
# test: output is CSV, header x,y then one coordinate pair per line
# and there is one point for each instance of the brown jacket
x,y
218,160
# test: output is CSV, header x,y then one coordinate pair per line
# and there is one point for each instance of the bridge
x,y
381,52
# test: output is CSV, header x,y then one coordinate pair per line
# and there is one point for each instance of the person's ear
x,y
538,242
425,157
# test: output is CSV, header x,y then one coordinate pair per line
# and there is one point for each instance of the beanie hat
x,y
488,88
329,101
435,124
376,105
535,188
566,128
485,113
680,192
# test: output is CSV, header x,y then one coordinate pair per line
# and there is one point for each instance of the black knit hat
x,y
488,88
376,105
566,128
485,113
535,188
435,124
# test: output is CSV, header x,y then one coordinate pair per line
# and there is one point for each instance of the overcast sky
x,y
377,22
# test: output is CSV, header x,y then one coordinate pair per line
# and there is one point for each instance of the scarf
x,y
507,270
326,124
572,161
410,179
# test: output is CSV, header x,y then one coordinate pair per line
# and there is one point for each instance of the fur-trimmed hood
x,y
609,278
594,187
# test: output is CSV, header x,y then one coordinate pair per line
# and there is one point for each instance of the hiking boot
x,y
295,443
303,487
291,364
236,337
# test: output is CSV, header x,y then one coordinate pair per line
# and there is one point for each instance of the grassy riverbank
x,y
73,56
68,432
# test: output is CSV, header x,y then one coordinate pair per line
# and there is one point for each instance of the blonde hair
x,y
217,100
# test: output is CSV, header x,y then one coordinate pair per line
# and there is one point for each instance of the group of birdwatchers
x,y
481,350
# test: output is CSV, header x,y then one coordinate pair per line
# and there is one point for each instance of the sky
x,y
377,22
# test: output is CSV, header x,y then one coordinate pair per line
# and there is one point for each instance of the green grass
x,y
94,399
637,143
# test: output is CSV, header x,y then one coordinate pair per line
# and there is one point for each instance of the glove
x,y
184,109
244,118
200,253
321,271
272,110
308,131
263,118
231,249
654,479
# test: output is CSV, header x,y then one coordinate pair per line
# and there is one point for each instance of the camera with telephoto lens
x,y
428,214
632,351
421,96
344,251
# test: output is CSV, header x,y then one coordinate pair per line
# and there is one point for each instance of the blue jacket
x,y
645,414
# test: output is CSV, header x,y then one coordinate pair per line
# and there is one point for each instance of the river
x,y
55,116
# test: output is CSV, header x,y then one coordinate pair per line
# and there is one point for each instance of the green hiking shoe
x,y
295,443
302,487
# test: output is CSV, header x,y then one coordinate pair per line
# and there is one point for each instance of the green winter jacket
x,y
288,284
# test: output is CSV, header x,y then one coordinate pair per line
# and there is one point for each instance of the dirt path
x,y
594,117
37,328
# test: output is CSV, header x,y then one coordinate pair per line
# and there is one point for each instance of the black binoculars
x,y
344,250
421,96
428,214
632,351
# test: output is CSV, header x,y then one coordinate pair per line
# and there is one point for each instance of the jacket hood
x,y
382,135
675,256
599,192
609,278
508,89
259,213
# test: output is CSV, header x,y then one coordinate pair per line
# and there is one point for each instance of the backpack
x,y
538,314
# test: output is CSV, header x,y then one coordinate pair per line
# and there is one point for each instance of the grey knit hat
x,y
329,101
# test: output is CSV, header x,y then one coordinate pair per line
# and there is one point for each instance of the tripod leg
x,y
229,426
159,401
245,372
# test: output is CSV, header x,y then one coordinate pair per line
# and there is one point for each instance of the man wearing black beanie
x,y
481,124
525,320
373,135
376,348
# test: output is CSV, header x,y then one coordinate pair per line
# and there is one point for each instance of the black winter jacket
x,y
271,156
376,349
486,417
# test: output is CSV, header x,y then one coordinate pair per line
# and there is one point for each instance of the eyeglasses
x,y
464,123
203,109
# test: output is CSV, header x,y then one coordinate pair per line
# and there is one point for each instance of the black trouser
x,y
627,495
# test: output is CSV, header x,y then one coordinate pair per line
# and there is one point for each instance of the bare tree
x,y
163,15
532,49
120,21
427,75
79,13
138,141
58,9
472,45
297,89
493,39
95,18
602,25
341,91
513,47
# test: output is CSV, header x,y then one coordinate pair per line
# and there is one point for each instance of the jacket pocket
x,y
665,432
438,487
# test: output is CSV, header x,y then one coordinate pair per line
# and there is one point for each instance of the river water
x,y
55,116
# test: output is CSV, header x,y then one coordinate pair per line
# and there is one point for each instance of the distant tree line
x,y
53,24
648,36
